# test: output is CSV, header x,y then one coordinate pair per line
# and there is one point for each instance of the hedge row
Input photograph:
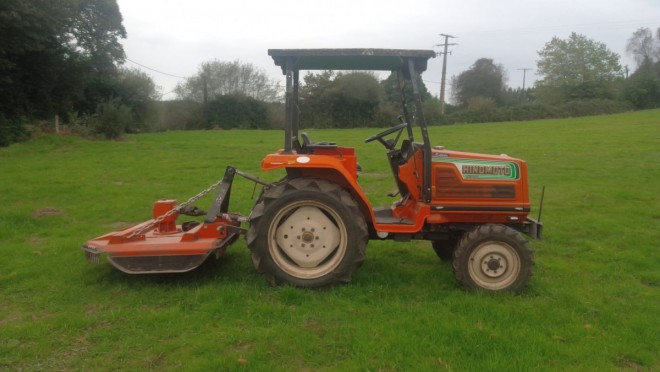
x,y
534,111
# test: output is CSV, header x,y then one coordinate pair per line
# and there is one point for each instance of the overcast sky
x,y
175,37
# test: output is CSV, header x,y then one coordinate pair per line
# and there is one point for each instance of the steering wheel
x,y
379,136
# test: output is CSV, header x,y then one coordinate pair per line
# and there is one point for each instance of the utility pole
x,y
444,70
524,70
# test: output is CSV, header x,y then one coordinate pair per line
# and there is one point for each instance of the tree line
x,y
579,76
62,59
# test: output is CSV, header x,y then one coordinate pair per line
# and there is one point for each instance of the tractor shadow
x,y
396,269
232,268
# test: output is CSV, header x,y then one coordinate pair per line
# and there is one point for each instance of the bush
x,y
177,115
275,112
78,125
643,91
237,111
111,119
480,104
12,131
593,107
532,111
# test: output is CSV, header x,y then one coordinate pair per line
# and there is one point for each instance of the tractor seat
x,y
310,146
408,149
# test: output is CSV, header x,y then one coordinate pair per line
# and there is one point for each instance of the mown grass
x,y
592,304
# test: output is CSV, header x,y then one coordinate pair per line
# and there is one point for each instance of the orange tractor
x,y
311,228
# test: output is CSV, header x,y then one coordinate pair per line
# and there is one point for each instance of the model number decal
x,y
491,170
483,169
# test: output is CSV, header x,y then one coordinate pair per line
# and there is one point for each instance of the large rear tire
x,y
307,233
493,258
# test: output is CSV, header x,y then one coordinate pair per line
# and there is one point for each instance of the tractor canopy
x,y
351,59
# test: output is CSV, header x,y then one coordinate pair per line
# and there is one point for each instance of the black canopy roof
x,y
350,59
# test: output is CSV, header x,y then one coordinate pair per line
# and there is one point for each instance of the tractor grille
x,y
447,185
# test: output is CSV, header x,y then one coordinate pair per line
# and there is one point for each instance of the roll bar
x,y
409,63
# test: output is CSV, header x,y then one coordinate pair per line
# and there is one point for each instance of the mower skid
x,y
157,264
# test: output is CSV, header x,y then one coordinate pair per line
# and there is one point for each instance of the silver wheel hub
x,y
494,265
307,236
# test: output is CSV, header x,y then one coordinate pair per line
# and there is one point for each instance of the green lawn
x,y
593,303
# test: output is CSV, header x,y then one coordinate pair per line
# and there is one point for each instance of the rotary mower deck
x,y
160,245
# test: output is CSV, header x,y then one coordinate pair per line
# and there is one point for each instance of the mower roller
x,y
311,228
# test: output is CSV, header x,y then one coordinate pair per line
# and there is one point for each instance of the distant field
x,y
592,304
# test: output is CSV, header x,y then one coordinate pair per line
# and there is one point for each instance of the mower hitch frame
x,y
160,245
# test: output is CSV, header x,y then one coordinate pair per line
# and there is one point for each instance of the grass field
x,y
593,303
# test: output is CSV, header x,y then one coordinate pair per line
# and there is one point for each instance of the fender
x,y
341,169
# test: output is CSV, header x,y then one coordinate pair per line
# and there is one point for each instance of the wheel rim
x,y
494,265
307,239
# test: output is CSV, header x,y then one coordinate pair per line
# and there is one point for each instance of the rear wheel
x,y
307,233
493,258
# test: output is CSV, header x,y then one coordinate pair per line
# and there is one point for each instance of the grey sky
x,y
176,36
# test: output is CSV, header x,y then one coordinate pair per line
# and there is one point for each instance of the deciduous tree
x,y
218,78
576,68
642,88
94,30
392,90
50,51
642,46
484,79
343,100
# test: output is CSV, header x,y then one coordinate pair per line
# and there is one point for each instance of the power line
x,y
164,94
153,69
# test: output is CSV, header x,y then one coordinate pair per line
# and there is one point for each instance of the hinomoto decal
x,y
483,169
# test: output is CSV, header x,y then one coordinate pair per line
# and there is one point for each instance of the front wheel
x,y
493,258
307,233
